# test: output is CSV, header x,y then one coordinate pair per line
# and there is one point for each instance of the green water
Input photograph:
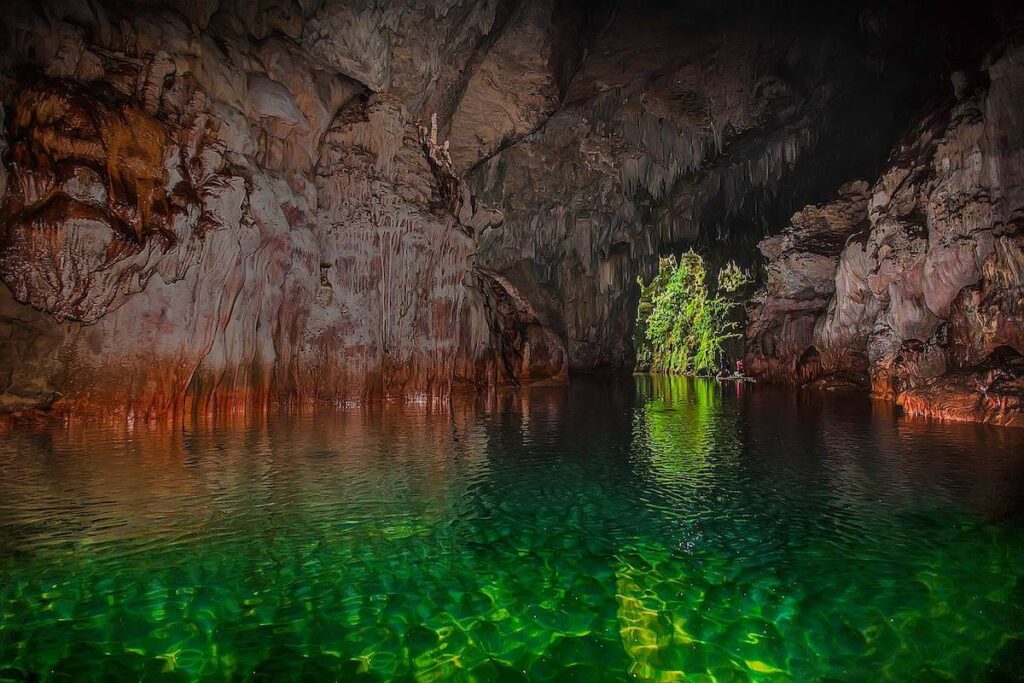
x,y
647,529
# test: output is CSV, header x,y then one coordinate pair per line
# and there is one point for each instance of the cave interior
x,y
219,205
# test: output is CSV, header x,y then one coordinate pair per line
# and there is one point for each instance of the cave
x,y
323,350
210,209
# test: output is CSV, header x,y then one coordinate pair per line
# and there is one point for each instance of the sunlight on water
x,y
655,529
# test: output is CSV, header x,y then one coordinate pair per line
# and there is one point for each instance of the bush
x,y
680,324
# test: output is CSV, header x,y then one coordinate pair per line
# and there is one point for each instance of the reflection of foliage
x,y
731,277
680,426
680,324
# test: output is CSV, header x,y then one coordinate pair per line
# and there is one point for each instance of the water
x,y
650,529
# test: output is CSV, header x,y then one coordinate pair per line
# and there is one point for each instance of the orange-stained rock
x,y
193,225
992,391
928,295
90,207
223,205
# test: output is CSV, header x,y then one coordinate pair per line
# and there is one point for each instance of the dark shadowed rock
x,y
927,298
801,265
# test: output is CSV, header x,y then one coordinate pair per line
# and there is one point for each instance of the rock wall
x,y
680,128
925,297
800,283
213,205
210,207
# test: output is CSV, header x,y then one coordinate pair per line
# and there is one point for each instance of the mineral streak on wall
x,y
223,205
210,208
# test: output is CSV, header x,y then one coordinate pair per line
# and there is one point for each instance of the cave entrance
x,y
686,319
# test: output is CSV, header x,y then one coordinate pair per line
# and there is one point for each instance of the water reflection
x,y
649,527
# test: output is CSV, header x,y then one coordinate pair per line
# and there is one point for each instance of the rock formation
x,y
693,134
801,264
924,302
201,214
213,205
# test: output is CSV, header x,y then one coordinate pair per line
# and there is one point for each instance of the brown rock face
x,y
89,213
527,346
927,297
992,391
990,314
196,220
677,129
517,86
223,205
801,282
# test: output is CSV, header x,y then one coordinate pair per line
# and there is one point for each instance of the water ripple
x,y
656,530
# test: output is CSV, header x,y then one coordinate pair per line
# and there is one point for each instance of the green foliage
x,y
731,278
680,324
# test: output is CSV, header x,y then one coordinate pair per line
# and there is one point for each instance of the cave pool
x,y
644,528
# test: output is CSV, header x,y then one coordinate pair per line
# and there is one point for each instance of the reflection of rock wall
x,y
205,215
930,295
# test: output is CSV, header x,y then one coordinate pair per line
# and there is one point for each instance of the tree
x,y
680,324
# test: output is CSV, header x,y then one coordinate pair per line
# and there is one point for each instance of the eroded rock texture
x,y
214,207
926,296
801,281
217,204
679,128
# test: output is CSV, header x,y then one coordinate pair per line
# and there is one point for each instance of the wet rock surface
x,y
217,208
225,205
801,282
925,297
672,132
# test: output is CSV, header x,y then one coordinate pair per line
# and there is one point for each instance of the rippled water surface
x,y
650,529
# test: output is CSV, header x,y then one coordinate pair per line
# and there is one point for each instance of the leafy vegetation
x,y
731,278
680,324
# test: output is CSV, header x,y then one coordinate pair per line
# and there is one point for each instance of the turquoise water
x,y
650,529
